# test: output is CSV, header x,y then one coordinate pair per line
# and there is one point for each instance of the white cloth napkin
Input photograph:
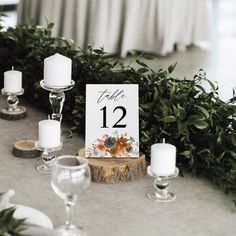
x,y
5,199
31,230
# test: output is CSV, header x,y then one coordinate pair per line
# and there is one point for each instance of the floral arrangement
x,y
114,146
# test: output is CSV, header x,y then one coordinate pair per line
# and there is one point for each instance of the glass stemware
x,y
70,177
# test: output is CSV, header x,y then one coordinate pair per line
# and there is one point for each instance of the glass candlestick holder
x,y
13,100
57,99
45,165
161,193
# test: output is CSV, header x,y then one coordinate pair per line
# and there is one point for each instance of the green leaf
x,y
141,63
192,118
181,112
98,51
148,57
156,94
162,73
200,87
132,53
182,127
204,151
168,119
75,111
142,70
204,111
200,124
233,139
50,26
171,68
186,153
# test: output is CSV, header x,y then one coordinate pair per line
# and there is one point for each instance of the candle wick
x,y
163,140
12,68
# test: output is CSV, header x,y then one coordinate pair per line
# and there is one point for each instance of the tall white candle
x,y
163,159
49,133
57,70
12,81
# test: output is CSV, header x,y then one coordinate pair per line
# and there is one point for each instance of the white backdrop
x,y
123,25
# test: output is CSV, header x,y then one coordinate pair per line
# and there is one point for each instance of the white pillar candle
x,y
163,159
12,81
49,133
57,70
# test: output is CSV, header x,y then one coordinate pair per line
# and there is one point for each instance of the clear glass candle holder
x,y
45,165
12,100
57,99
161,193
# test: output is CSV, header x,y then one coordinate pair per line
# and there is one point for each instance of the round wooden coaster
x,y
25,149
7,115
116,170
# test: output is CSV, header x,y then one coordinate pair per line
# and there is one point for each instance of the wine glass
x,y
70,177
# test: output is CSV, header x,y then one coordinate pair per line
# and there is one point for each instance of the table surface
x,y
114,209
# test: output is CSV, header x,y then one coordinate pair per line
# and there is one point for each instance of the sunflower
x,y
122,142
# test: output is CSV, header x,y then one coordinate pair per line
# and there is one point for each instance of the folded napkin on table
x,y
32,230
5,199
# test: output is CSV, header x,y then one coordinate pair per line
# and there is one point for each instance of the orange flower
x,y
122,142
101,147
113,150
117,150
120,151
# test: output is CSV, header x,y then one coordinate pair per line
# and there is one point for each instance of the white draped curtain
x,y
121,25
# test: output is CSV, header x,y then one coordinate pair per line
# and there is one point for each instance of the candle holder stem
x,y
57,100
12,111
45,165
13,101
161,193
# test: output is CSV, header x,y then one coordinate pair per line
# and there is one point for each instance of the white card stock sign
x,y
112,120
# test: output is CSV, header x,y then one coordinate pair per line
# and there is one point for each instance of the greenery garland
x,y
201,125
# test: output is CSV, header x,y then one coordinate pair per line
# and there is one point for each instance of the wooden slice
x,y
7,115
116,170
25,149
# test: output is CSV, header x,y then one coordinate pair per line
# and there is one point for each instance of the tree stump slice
x,y
25,149
116,170
6,115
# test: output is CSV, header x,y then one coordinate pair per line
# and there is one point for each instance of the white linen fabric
x,y
121,25
5,199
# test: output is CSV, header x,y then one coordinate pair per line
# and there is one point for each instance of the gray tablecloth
x,y
200,209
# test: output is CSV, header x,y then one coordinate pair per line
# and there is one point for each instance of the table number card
x,y
112,122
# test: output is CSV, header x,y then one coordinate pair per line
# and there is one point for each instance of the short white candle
x,y
57,71
12,81
49,133
163,159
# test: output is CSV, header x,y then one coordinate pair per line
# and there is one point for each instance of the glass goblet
x,y
70,177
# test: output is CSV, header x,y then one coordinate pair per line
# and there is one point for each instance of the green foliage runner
x,y
181,111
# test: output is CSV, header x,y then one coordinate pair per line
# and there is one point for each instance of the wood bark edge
x,y
116,170
25,149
